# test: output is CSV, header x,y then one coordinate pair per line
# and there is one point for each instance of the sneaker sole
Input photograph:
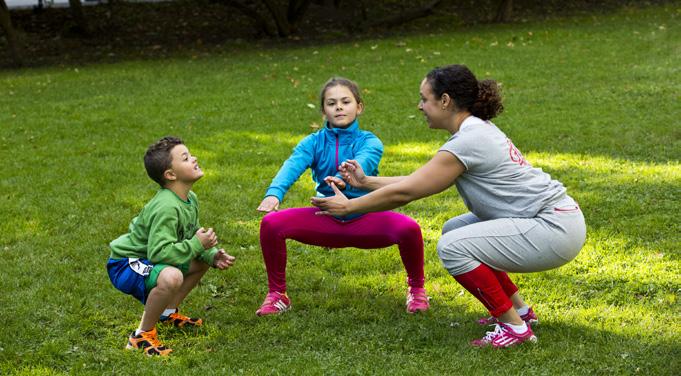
x,y
418,311
533,340
273,313
131,347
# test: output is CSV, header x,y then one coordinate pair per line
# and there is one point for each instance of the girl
x,y
520,219
322,151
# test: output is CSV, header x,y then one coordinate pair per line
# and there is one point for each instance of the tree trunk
x,y
296,10
504,11
6,23
260,21
401,18
363,10
283,27
78,16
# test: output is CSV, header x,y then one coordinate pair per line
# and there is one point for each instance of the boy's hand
x,y
222,260
207,238
338,181
268,204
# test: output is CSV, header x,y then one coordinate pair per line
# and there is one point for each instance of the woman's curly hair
x,y
481,98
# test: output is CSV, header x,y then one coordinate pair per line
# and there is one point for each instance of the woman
x,y
520,219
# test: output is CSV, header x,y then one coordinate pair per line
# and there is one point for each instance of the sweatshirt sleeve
x,y
301,158
369,155
207,255
163,246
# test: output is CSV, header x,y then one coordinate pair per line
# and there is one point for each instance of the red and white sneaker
x,y
504,336
530,318
417,300
275,302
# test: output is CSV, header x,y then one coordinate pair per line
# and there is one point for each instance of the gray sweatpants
x,y
549,240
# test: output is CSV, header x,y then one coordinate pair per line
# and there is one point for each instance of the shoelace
x,y
271,298
490,336
179,316
419,296
151,338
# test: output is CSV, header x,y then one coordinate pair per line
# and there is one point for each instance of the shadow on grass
x,y
155,31
361,323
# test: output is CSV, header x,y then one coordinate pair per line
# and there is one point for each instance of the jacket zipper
x,y
337,169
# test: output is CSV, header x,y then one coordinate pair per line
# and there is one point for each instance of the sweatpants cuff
x,y
501,309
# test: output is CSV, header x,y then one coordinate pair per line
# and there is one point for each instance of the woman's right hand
x,y
270,203
352,173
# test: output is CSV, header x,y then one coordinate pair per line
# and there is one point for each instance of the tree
x,y
6,23
504,11
406,16
79,17
285,18
273,18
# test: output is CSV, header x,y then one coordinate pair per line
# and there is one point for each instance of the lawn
x,y
593,100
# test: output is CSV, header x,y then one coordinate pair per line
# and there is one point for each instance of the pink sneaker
x,y
530,318
275,302
504,336
417,300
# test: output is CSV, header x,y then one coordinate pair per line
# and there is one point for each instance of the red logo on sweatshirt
x,y
515,154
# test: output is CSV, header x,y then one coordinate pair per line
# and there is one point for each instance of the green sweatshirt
x,y
164,232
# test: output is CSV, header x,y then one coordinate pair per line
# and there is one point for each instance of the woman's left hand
x,y
336,205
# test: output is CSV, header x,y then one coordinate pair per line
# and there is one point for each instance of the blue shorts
x,y
129,274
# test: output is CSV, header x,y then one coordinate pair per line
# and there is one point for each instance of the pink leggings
x,y
372,230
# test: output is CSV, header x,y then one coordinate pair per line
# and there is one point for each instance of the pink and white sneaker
x,y
530,318
504,336
417,300
275,302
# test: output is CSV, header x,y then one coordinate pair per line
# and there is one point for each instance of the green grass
x,y
592,100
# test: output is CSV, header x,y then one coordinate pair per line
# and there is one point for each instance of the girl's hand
x,y
352,173
222,260
268,204
332,179
336,205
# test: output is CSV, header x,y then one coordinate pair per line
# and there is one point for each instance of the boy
x,y
166,252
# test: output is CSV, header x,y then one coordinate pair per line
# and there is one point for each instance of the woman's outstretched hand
x,y
336,205
352,173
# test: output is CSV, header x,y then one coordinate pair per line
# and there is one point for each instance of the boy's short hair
x,y
157,159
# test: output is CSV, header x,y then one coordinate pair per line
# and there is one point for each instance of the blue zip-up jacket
x,y
323,151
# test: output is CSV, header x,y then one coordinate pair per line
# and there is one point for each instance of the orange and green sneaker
x,y
147,342
180,320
